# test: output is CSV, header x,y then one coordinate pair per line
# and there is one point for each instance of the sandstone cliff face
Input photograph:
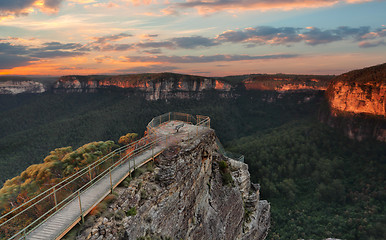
x,y
360,91
16,87
357,103
152,86
185,198
283,83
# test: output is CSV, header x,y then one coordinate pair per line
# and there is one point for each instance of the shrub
x,y
131,212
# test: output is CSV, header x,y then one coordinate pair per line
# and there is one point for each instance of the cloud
x,y
8,48
206,7
12,55
191,42
206,59
266,35
61,46
24,7
101,59
262,35
110,38
104,43
153,51
8,61
369,44
148,69
56,54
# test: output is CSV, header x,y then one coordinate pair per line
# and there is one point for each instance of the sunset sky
x,y
202,37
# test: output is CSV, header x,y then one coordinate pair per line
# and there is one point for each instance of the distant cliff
x,y
16,85
152,86
357,103
286,82
193,192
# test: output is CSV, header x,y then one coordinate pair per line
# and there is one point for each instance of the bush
x,y
131,212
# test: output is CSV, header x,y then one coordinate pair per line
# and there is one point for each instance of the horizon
x,y
53,38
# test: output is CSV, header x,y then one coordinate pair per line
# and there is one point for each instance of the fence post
x,y
152,152
54,193
24,236
89,173
80,207
111,181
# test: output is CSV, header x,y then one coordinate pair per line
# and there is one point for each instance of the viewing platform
x,y
73,198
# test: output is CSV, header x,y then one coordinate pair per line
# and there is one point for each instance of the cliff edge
x,y
193,192
357,103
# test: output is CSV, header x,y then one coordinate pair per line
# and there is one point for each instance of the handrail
x,y
136,147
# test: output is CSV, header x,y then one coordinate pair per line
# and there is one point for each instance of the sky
x,y
200,37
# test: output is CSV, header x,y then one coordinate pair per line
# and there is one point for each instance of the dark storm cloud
x,y
205,59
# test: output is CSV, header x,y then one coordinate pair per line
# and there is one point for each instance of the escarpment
x,y
151,86
357,103
193,192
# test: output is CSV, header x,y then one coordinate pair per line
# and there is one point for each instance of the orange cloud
x,y
205,7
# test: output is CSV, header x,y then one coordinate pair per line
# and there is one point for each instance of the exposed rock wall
x,y
357,102
360,91
185,198
16,87
152,86
283,83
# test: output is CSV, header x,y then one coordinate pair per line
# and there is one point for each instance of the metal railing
x,y
235,156
22,220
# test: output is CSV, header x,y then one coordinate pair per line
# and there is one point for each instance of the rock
x,y
152,86
95,231
189,199
357,101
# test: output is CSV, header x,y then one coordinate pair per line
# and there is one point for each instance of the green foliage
x,y
223,165
128,138
226,175
320,184
131,212
61,163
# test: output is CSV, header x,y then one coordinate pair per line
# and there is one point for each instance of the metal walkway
x,y
67,212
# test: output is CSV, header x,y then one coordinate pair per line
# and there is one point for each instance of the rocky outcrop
x,y
185,198
21,86
152,86
360,91
357,103
283,83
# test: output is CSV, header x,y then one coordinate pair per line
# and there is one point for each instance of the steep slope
x,y
357,103
359,91
192,193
